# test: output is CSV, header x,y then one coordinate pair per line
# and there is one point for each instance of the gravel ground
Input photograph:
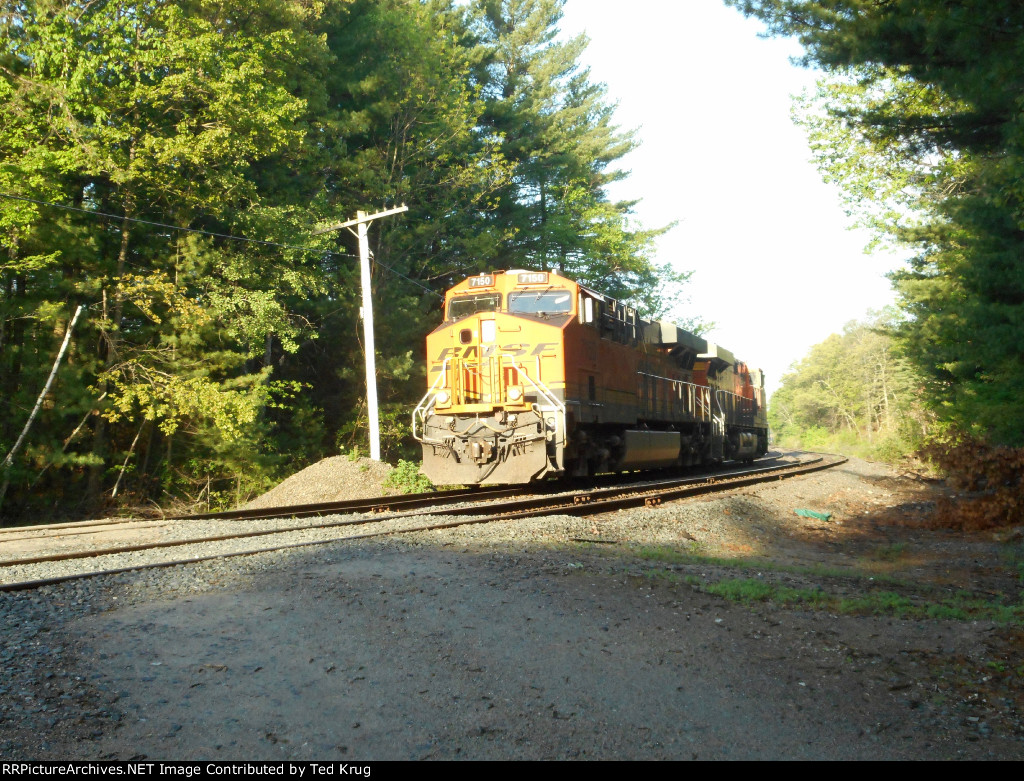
x,y
554,637
337,526
93,537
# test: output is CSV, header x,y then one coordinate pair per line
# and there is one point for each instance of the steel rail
x,y
527,509
518,507
373,504
588,505
7,530
396,503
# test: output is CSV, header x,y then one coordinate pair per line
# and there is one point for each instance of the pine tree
x,y
921,105
557,129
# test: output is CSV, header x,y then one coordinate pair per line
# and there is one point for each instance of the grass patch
x,y
692,554
665,576
1014,560
959,606
667,554
892,552
748,591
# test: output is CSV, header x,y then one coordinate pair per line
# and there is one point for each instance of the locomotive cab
x,y
495,410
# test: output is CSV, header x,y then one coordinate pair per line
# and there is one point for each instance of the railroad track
x,y
379,504
380,516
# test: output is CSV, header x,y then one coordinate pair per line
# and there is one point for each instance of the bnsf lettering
x,y
473,351
543,347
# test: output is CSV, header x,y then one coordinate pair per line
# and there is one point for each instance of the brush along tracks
x,y
34,557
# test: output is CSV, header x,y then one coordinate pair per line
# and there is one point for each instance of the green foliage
x,y
750,590
958,607
891,552
666,554
918,120
853,394
117,107
208,367
406,477
555,129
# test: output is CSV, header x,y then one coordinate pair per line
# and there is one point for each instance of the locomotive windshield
x,y
464,306
543,302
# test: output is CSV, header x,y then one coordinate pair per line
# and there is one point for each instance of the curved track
x,y
386,516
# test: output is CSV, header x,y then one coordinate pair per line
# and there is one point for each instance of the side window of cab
x,y
587,310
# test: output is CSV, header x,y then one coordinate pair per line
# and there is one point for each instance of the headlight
x,y
442,397
515,394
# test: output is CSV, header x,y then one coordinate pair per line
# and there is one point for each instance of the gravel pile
x,y
334,479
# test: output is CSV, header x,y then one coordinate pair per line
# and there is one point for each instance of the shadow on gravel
x,y
419,650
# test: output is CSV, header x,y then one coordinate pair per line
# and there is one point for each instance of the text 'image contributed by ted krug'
x,y
302,770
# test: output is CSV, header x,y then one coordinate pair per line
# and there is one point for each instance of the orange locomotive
x,y
532,374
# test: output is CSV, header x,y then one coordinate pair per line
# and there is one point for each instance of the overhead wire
x,y
228,236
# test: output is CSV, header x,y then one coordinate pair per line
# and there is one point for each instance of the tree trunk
x,y
9,460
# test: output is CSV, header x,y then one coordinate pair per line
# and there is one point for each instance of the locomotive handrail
x,y
718,403
544,391
422,409
424,405
540,386
744,407
703,401
699,401
670,379
734,395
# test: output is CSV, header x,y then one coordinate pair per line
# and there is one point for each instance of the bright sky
x,y
776,267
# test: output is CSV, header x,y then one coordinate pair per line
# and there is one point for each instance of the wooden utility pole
x,y
362,221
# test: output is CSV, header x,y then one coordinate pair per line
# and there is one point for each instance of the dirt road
x,y
528,643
